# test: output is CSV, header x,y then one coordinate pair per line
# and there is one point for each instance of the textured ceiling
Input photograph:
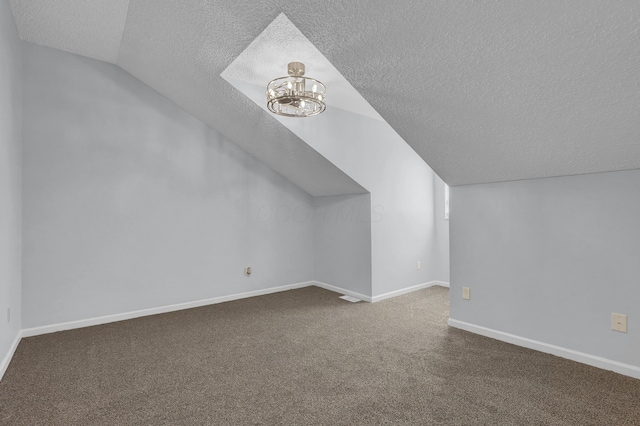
x,y
90,28
484,91
269,53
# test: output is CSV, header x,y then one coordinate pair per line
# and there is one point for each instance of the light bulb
x,y
302,104
289,85
319,97
314,88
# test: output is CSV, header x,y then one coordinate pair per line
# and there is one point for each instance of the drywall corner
x,y
10,183
342,242
550,260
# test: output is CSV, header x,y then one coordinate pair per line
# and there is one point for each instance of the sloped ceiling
x,y
86,27
484,91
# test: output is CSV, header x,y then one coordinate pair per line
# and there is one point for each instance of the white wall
x,y
440,261
550,260
10,180
402,194
131,203
342,225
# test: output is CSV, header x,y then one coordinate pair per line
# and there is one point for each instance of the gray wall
x,y
440,260
131,203
551,259
10,178
402,193
342,240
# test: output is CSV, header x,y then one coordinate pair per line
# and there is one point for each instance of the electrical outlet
x,y
419,265
619,322
466,293
247,270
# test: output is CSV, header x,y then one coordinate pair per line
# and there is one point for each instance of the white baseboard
x,y
7,358
35,331
595,361
52,328
70,325
408,290
342,290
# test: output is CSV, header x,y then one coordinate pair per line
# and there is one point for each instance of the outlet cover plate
x,y
619,322
466,293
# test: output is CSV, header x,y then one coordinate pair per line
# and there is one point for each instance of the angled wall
x,y
402,187
131,203
406,251
549,261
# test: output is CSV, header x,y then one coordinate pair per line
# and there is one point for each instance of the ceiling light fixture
x,y
296,95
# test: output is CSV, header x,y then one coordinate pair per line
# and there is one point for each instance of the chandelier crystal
x,y
296,95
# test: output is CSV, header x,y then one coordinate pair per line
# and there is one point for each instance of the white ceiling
x,y
90,28
484,91
269,53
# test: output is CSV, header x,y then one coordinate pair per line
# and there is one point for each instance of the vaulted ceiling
x,y
483,91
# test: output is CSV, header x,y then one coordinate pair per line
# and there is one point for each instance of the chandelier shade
x,y
296,95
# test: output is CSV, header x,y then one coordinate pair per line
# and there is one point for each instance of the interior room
x,y
359,212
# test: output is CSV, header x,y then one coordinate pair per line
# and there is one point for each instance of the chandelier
x,y
295,95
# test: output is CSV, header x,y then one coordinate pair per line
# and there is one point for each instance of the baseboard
x,y
594,361
342,290
35,331
408,290
7,358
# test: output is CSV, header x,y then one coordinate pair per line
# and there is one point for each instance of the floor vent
x,y
350,299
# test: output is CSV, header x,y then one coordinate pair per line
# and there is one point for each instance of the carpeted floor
x,y
303,357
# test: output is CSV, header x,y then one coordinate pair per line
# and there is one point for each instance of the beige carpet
x,y
303,357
